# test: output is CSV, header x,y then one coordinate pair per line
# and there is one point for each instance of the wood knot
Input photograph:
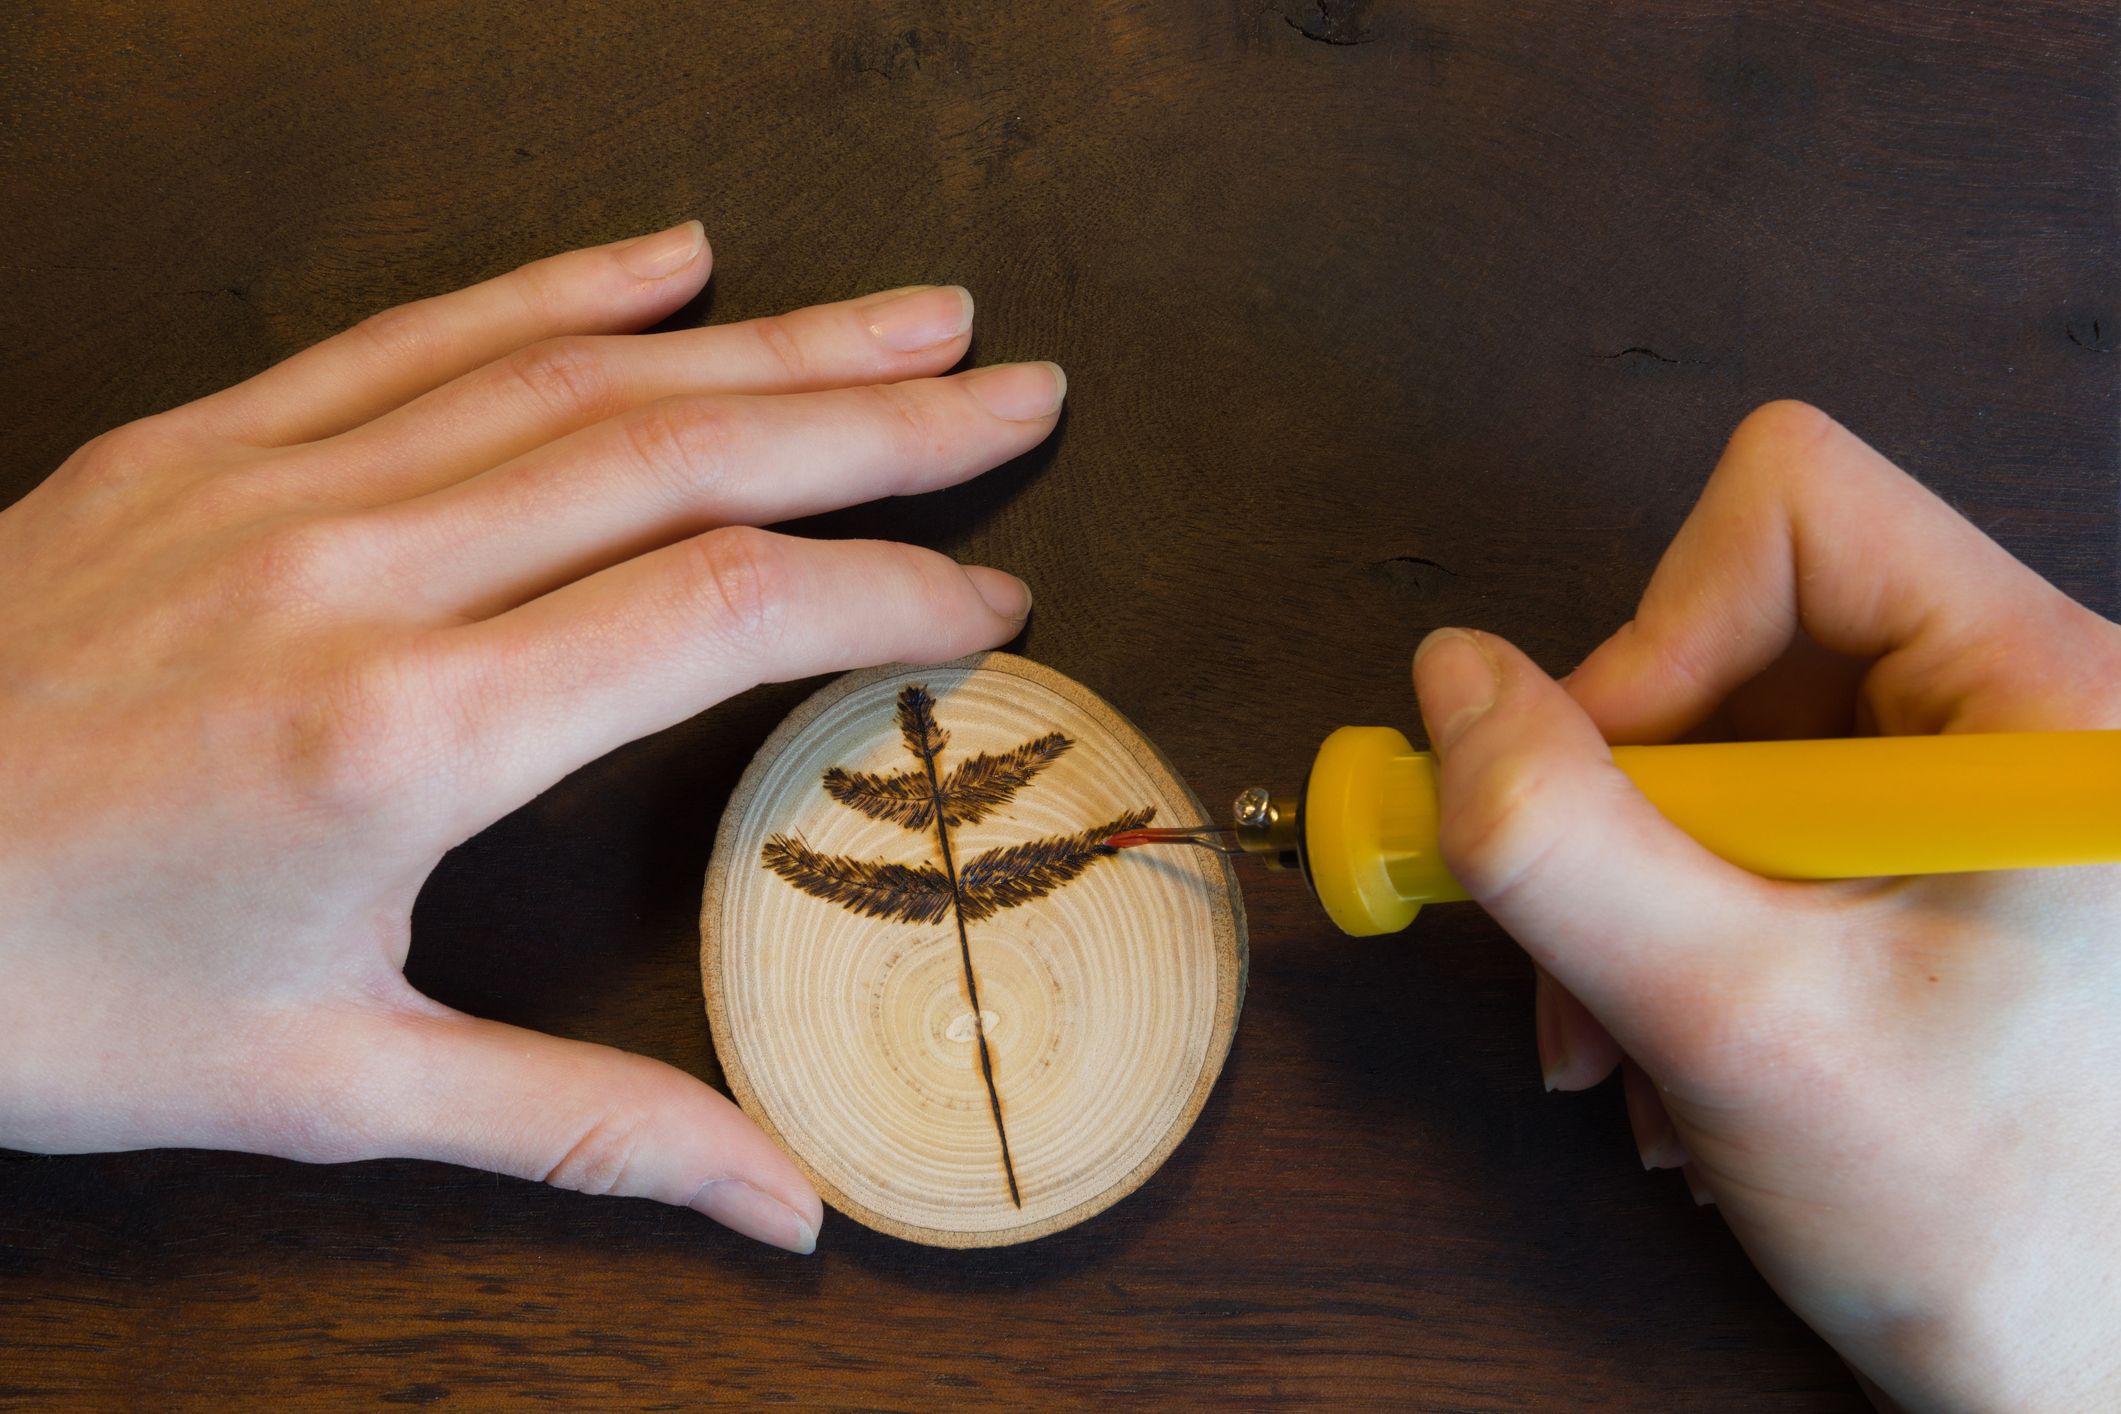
x,y
963,1029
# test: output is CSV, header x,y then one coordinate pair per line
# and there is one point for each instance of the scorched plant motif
x,y
928,798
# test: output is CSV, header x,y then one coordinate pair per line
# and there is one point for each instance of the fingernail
x,y
1547,1035
663,254
920,318
1007,595
1702,1197
739,1207
1019,392
1456,682
1663,1150
1656,1142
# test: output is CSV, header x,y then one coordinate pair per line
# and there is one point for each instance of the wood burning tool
x,y
1363,830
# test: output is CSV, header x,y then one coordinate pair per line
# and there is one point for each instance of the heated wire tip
x,y
1206,836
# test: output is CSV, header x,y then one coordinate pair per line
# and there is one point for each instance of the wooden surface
x,y
1379,316
1108,996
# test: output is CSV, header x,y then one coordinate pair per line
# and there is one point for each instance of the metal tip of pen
x,y
1204,836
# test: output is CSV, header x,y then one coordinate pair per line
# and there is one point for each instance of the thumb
x,y
460,1090
1627,912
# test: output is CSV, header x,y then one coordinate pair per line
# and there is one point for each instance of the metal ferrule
x,y
1267,826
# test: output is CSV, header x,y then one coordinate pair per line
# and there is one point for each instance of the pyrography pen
x,y
1363,828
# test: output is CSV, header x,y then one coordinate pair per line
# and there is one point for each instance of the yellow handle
x,y
1849,809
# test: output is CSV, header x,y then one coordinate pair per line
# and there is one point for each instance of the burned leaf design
x,y
1004,878
899,893
917,724
983,784
924,798
974,789
904,799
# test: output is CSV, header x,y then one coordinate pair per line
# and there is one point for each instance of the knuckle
x,y
735,585
346,739
938,591
680,443
603,1159
786,349
293,562
542,286
910,419
1780,442
153,441
569,374
403,333
119,458
257,491
162,450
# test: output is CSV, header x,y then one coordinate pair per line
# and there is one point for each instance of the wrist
x,y
1983,1359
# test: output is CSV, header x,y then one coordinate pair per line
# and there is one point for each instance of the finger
x,y
1697,1184
1656,936
685,465
1807,692
1657,1143
391,358
1803,528
1575,1051
648,643
546,390
464,1091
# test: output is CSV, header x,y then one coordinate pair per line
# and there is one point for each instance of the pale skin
x,y
266,657
1898,1094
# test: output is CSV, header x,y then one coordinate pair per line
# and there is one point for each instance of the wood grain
x,y
1377,316
1109,1003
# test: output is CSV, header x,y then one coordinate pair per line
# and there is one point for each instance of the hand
x,y
264,658
1900,1094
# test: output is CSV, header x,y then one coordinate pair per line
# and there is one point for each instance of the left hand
x,y
265,657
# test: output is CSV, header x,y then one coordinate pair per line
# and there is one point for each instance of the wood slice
x,y
842,908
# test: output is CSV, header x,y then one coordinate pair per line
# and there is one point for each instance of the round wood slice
x,y
835,970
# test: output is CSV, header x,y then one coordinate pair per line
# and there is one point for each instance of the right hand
x,y
1900,1094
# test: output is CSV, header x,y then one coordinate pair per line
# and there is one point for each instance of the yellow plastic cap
x,y
1369,828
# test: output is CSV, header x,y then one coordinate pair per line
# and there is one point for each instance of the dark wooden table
x,y
1379,316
